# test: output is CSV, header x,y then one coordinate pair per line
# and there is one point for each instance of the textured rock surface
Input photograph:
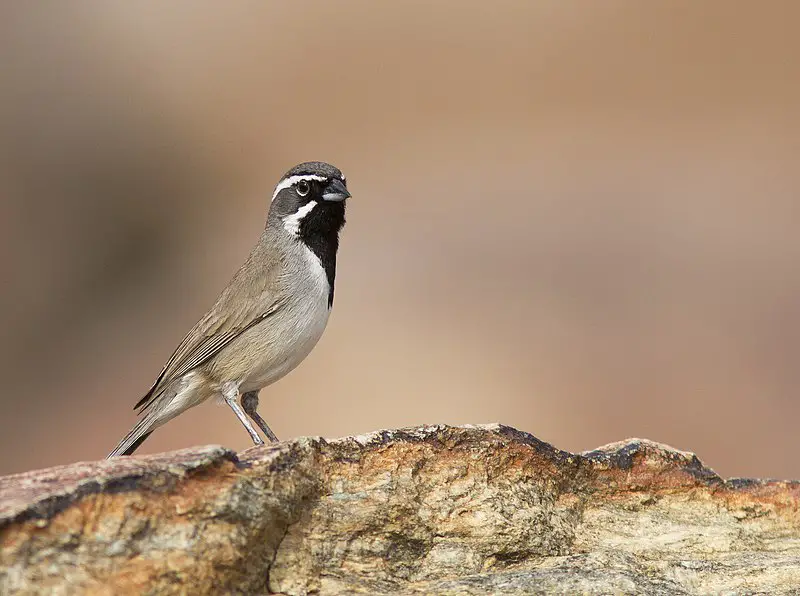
x,y
444,510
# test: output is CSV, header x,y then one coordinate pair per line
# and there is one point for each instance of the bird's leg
x,y
230,392
250,403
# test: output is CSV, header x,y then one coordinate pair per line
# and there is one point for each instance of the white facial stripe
x,y
292,180
292,222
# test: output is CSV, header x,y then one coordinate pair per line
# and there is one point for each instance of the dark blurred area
x,y
576,218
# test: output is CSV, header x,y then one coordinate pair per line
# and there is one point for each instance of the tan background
x,y
577,218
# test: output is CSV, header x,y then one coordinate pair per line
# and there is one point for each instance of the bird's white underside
x,y
301,331
299,338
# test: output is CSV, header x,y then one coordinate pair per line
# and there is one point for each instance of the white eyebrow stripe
x,y
292,180
292,222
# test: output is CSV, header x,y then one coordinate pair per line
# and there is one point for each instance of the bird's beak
x,y
335,191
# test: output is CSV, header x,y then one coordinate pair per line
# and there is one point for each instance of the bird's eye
x,y
303,188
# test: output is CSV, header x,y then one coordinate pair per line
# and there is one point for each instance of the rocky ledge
x,y
429,510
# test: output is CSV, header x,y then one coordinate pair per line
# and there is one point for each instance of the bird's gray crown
x,y
315,168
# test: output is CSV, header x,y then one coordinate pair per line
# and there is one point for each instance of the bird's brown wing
x,y
247,301
199,345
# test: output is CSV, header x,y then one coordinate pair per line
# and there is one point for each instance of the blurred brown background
x,y
577,218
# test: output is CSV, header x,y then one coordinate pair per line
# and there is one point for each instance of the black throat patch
x,y
319,231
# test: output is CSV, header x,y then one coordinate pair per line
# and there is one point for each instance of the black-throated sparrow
x,y
269,317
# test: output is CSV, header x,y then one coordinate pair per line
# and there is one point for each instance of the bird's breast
x,y
272,349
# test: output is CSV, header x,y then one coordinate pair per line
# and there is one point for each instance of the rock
x,y
430,510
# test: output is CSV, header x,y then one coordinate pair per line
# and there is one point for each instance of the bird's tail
x,y
158,411
138,434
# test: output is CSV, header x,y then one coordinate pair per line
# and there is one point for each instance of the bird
x,y
269,317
